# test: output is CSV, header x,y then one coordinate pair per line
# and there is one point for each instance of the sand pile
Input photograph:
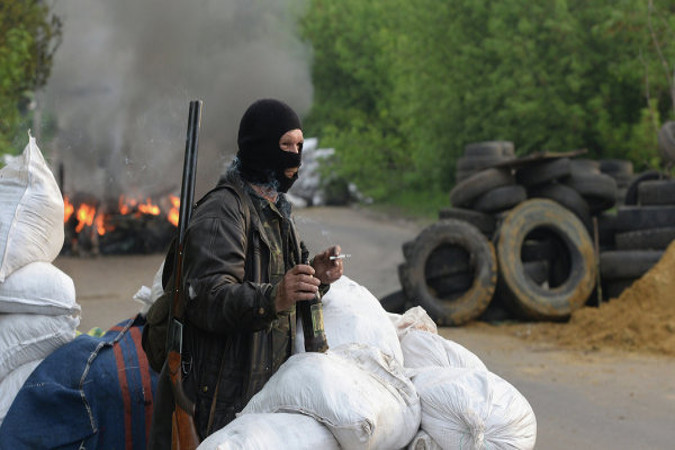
x,y
642,319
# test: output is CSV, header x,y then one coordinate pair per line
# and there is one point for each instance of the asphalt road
x,y
598,400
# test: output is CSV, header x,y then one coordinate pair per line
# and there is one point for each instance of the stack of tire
x,y
622,172
640,232
518,240
482,155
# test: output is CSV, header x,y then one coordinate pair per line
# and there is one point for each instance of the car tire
x,y
527,299
474,301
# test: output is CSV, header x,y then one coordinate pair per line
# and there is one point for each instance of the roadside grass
x,y
415,206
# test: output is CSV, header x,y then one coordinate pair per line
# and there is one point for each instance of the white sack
x,y
31,212
146,296
415,318
424,349
352,315
39,288
474,409
422,441
358,392
27,337
271,431
10,385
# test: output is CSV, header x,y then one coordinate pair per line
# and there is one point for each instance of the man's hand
x,y
299,283
326,270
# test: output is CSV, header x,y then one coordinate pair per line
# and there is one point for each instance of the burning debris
x,y
118,226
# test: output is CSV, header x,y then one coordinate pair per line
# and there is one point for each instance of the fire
x,y
125,205
102,227
149,208
174,212
68,209
85,216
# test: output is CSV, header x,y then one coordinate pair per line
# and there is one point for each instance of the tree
x,y
402,87
29,37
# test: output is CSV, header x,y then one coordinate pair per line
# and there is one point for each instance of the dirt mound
x,y
641,319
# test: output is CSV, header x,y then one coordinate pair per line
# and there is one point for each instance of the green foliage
x,y
402,87
29,36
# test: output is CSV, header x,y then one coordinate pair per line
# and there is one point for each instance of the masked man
x,y
242,275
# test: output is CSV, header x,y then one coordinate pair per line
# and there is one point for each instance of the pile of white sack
x,y
388,381
38,309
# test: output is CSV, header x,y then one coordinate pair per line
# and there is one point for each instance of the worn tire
x,y
621,264
584,165
500,199
450,286
484,222
447,260
606,230
538,270
395,302
567,197
537,250
616,167
619,169
525,297
598,189
478,163
647,239
632,190
465,192
475,300
543,172
656,192
630,218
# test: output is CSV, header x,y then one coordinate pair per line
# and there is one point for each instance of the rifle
x,y
183,430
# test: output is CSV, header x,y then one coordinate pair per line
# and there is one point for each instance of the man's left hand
x,y
326,270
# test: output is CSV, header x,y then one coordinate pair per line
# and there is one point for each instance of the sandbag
x,y
146,296
415,318
10,385
424,349
271,431
422,441
473,408
39,288
31,212
27,337
357,391
351,314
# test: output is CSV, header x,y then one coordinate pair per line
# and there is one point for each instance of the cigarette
x,y
340,256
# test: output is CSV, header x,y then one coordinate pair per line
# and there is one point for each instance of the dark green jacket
x,y
234,339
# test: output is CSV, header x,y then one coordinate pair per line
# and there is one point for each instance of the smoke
x,y
126,71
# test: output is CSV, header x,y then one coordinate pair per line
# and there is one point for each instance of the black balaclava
x,y
262,160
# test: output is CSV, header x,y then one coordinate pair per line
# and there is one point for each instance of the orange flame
x,y
174,213
149,208
68,209
125,205
85,216
102,225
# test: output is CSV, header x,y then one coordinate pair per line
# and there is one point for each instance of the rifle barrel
x,y
187,192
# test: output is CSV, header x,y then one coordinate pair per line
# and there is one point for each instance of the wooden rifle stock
x,y
184,432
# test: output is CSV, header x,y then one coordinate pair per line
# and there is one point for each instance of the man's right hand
x,y
299,283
